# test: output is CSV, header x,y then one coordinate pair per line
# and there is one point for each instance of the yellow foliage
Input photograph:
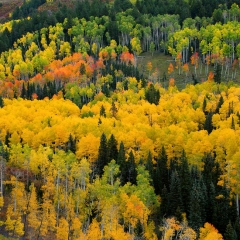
x,y
209,232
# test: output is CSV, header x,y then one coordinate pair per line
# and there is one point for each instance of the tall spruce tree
x,y
175,196
112,148
130,173
102,160
149,166
121,161
230,233
222,207
185,179
164,207
195,220
161,178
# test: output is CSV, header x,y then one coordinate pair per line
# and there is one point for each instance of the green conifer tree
x,y
112,148
230,233
175,196
102,160
185,179
161,178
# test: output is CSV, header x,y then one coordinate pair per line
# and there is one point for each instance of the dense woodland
x,y
92,147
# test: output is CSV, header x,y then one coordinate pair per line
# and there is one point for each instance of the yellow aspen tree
x,y
94,232
33,211
76,229
62,229
48,218
14,223
209,232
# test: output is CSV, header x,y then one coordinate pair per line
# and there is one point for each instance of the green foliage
x,y
152,95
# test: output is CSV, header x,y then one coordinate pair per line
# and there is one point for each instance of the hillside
x,y
120,120
8,7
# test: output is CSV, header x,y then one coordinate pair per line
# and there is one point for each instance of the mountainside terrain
x,y
120,120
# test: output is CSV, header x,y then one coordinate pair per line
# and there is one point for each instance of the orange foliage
x,y
171,82
185,68
194,58
210,76
170,68
127,58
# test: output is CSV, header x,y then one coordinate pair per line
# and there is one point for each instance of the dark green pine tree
x,y
1,102
185,179
195,173
222,209
112,148
203,199
164,207
211,206
161,178
45,91
230,109
175,196
208,123
82,69
7,139
219,105
230,233
114,110
121,161
23,92
130,174
149,166
237,228
233,213
211,171
29,92
217,73
233,124
152,95
204,105
102,111
71,145
195,220
102,160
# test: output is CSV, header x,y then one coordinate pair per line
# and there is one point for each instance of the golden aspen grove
x,y
99,143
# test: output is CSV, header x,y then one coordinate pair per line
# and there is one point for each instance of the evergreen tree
x,y
211,206
102,160
152,95
102,111
208,123
149,166
1,102
220,103
112,148
130,174
195,220
71,144
175,196
217,73
204,105
233,124
23,92
222,207
161,178
121,161
114,110
164,206
230,233
185,179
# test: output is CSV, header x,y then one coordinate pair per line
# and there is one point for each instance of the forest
x,y
94,145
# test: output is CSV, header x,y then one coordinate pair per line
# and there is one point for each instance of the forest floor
x,y
162,61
